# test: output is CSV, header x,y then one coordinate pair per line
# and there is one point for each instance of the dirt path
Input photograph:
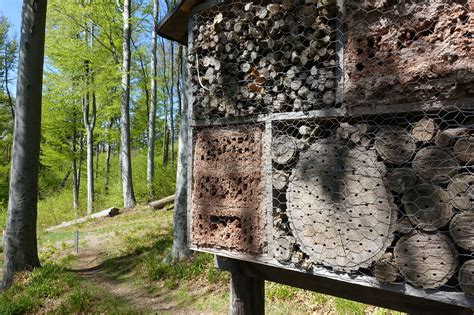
x,y
90,264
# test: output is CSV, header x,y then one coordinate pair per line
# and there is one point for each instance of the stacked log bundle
x,y
395,58
263,58
340,192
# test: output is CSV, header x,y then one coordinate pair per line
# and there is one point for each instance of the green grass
x,y
134,246
28,295
54,208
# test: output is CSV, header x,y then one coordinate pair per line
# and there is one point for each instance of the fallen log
x,y
160,204
110,212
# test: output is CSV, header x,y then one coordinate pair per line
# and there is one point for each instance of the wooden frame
x,y
403,297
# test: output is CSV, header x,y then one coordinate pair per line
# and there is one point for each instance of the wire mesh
x,y
348,124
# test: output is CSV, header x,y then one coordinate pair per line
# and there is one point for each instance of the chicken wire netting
x,y
337,136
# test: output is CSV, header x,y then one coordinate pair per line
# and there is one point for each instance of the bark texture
x,y
180,249
20,245
125,151
150,170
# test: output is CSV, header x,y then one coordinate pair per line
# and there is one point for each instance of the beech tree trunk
x,y
75,180
125,152
89,115
108,153
20,245
180,248
150,170
172,103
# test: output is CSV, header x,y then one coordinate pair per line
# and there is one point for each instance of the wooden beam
x,y
388,299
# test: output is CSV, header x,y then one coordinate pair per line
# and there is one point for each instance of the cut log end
x,y
426,260
424,130
386,270
394,145
284,149
466,277
428,207
461,229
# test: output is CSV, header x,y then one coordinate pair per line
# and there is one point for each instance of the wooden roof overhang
x,y
174,26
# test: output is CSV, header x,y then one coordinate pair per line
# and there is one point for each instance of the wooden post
x,y
247,290
76,242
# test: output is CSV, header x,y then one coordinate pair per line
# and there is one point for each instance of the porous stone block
x,y
228,189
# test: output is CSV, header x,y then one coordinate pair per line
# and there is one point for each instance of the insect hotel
x,y
331,144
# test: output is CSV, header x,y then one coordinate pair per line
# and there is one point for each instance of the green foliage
x,y
43,283
77,302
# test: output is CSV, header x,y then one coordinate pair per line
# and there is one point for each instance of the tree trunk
x,y
107,167
108,151
179,78
79,170
75,181
180,248
97,151
125,152
90,171
172,103
20,245
89,117
165,109
150,170
7,89
165,136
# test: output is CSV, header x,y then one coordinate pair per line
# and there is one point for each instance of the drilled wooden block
x,y
426,260
406,51
338,207
227,196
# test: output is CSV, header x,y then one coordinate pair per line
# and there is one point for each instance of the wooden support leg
x,y
247,295
247,290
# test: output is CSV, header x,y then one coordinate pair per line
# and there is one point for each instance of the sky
x,y
12,10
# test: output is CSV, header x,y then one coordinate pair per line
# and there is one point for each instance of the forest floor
x,y
119,270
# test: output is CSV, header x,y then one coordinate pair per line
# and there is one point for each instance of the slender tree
x,y
125,151
150,171
20,244
180,250
89,116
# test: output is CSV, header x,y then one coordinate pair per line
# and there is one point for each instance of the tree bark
x,y
107,167
75,181
165,109
150,170
171,89
20,244
89,115
97,151
79,169
108,153
125,152
180,248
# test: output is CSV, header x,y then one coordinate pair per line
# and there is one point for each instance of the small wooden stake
x,y
76,242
